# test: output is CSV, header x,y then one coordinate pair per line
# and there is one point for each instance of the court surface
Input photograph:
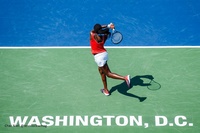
x,y
62,82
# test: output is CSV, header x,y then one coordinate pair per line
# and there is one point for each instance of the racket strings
x,y
117,37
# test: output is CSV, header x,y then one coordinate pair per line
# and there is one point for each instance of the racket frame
x,y
116,32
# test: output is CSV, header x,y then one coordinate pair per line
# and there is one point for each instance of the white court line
x,y
74,47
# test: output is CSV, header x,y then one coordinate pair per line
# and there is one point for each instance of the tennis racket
x,y
116,37
153,85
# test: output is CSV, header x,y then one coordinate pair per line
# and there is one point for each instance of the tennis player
x,y
98,37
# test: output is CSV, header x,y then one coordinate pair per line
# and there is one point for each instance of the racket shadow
x,y
135,81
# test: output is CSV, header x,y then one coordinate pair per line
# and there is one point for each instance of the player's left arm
x,y
110,26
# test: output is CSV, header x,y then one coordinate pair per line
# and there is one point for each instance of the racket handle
x,y
113,30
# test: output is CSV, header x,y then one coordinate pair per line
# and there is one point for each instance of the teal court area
x,y
48,90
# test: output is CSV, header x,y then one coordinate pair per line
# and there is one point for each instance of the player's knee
x,y
109,75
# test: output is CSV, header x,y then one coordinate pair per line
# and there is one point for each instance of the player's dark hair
x,y
97,27
99,30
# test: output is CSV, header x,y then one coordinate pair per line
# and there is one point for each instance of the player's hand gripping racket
x,y
153,85
116,37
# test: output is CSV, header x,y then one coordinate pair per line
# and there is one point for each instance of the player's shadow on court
x,y
135,81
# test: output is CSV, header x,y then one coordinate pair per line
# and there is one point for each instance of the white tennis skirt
x,y
101,58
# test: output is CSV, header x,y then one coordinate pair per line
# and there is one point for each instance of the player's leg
x,y
104,80
103,77
109,74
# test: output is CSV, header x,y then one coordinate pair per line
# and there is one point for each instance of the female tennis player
x,y
98,37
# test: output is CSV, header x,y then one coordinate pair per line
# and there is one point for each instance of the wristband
x,y
109,25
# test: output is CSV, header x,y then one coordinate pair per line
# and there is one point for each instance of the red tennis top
x,y
97,47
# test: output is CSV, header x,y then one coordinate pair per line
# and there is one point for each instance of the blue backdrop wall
x,y
68,22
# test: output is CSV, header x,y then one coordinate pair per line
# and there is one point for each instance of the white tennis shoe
x,y
105,92
128,80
